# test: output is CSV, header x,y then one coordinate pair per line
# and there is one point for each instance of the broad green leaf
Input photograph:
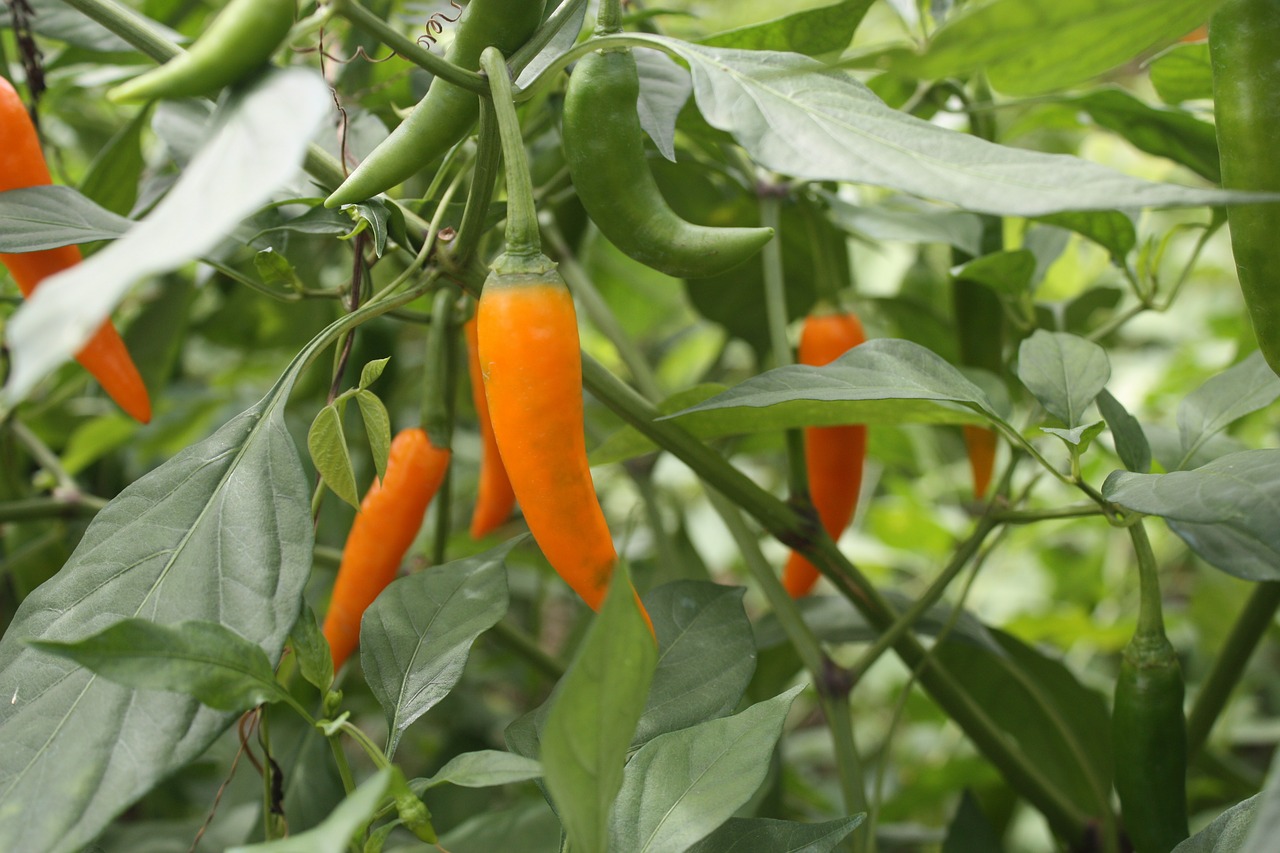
x,y
1064,372
482,769
1164,132
707,655
38,218
531,821
377,428
911,221
221,532
1183,73
593,716
1060,726
256,148
1030,47
754,835
1131,441
970,831
813,32
1004,272
416,636
1239,390
664,90
801,118
1224,510
1110,229
334,835
681,785
327,444
315,660
57,20
113,176
885,380
1266,824
1228,833
202,659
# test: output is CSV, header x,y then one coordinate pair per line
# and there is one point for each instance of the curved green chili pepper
x,y
240,40
1244,46
604,145
447,112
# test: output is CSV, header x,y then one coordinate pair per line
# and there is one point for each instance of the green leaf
x,y
593,716
1064,372
885,380
801,118
1131,441
377,427
381,216
319,221
113,176
1228,832
38,218
1266,825
1183,73
1164,132
221,532
416,636
56,20
315,660
752,835
370,373
970,831
1031,47
275,268
1224,510
482,769
202,659
708,654
911,221
664,90
334,835
1004,272
1061,726
328,446
1079,437
531,821
1110,229
681,785
1239,390
255,148
813,32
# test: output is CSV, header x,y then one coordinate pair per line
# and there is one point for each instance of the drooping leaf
x,y
1064,372
1131,441
327,444
38,218
416,636
377,428
664,89
315,660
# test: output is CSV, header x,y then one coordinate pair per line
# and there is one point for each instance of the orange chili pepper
x,y
833,455
22,165
385,527
981,443
495,498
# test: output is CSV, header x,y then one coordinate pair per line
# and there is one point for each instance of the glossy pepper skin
x,y
1244,47
385,527
238,42
1149,740
495,498
444,116
604,147
532,368
833,455
22,165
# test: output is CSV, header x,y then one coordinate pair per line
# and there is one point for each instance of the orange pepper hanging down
x,y
385,527
22,165
981,444
833,455
495,498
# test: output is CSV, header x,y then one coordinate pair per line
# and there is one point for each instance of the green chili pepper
x,y
604,145
1244,47
240,40
447,112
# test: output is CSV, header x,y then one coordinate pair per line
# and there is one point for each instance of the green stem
x,y
836,709
138,30
375,753
47,459
599,313
609,17
1150,609
522,215
32,509
1031,516
785,524
437,65
1251,625
544,35
526,647
483,178
344,766
775,300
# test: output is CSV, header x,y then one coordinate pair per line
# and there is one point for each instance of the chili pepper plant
x,y
844,425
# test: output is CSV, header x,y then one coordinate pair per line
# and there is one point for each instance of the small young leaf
x,y
328,446
1110,229
593,717
379,214
1131,441
275,268
377,427
315,661
1079,437
335,833
1064,372
370,372
202,659
1004,272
